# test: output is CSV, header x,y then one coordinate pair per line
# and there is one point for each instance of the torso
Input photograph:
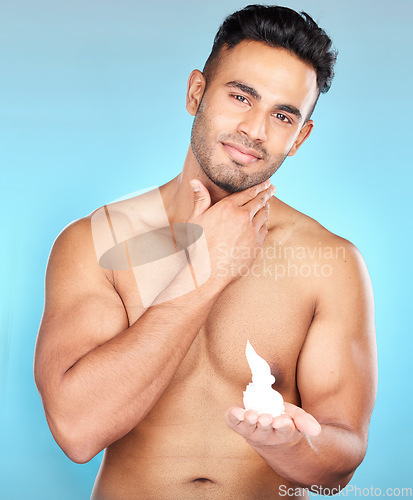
x,y
183,448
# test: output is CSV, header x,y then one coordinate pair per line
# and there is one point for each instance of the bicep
x,y
82,308
336,371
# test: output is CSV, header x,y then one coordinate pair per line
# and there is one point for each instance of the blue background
x,y
92,107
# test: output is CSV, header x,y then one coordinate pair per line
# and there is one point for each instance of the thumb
x,y
202,199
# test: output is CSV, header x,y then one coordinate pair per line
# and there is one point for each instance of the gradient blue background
x,y
92,98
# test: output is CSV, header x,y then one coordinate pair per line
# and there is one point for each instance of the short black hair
x,y
278,27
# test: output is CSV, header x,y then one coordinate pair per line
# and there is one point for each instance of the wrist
x,y
215,285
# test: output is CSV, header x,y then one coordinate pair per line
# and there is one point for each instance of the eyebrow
x,y
245,88
288,108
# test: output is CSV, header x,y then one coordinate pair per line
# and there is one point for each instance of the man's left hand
x,y
262,429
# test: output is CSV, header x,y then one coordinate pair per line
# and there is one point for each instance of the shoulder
x,y
307,242
104,231
74,238
291,227
122,220
73,255
79,246
102,224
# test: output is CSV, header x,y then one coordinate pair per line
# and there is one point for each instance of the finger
x,y
303,421
262,233
264,423
256,204
249,194
234,416
284,426
250,419
308,424
202,198
262,216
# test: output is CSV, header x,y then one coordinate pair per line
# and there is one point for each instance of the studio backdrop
x,y
92,108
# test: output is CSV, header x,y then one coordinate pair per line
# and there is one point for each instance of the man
x,y
150,301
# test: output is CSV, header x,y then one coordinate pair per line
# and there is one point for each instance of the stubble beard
x,y
231,177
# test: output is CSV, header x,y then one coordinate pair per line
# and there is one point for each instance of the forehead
x,y
274,72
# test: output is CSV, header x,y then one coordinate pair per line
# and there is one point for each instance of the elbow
x,y
337,480
331,488
334,472
75,443
78,453
76,448
329,484
77,456
71,433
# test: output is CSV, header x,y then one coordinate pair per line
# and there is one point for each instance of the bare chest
x,y
274,314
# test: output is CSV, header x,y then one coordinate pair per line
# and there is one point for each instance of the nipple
x,y
259,395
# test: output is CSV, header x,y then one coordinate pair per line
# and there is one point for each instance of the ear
x,y
302,136
195,91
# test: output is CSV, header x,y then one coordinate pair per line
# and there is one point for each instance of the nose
x,y
253,125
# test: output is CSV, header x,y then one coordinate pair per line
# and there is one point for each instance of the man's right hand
x,y
235,227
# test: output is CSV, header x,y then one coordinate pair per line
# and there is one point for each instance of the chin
x,y
230,188
232,178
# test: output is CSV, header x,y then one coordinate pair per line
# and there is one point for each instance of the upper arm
x,y
82,308
337,367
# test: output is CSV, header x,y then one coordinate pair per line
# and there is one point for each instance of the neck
x,y
178,195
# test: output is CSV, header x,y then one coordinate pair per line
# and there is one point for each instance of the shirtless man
x,y
155,376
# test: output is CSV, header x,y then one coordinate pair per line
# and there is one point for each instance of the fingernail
x,y
239,417
281,424
265,421
194,186
315,429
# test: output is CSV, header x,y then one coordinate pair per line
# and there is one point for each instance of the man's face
x,y
251,115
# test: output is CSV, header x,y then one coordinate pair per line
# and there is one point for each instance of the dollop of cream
x,y
259,395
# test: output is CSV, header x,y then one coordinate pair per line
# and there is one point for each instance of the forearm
x,y
111,389
327,460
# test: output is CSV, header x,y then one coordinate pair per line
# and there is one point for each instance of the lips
x,y
241,153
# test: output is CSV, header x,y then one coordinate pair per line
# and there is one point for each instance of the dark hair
x,y
278,27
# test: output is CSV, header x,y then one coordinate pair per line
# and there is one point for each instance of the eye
x,y
240,98
282,117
